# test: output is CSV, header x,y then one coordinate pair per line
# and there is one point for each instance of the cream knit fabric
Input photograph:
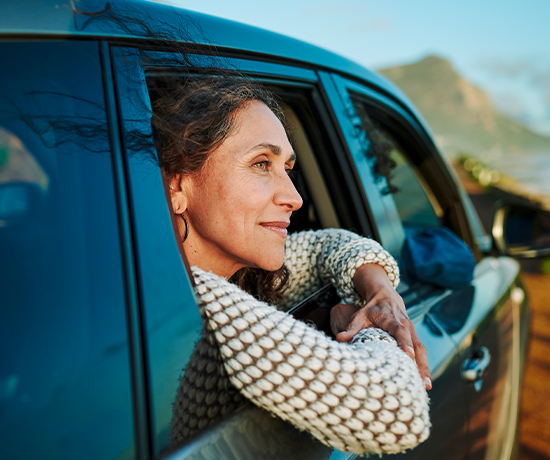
x,y
315,258
366,396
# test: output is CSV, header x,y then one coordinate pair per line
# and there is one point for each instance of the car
x,y
98,319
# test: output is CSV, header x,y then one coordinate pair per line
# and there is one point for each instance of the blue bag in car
x,y
437,256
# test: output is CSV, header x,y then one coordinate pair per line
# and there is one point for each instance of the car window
x,y
176,357
415,202
65,388
317,212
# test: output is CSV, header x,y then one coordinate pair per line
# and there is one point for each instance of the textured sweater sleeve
x,y
315,258
366,397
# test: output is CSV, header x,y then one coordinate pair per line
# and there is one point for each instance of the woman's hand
x,y
384,309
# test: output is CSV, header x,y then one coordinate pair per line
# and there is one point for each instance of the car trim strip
x,y
134,321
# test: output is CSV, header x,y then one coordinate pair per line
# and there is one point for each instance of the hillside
x,y
460,114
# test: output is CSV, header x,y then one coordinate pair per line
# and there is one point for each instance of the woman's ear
x,y
178,193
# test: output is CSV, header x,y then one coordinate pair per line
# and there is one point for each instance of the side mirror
x,y
521,231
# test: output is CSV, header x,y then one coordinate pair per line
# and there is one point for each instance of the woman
x,y
228,160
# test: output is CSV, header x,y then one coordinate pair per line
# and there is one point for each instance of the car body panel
x,y
494,324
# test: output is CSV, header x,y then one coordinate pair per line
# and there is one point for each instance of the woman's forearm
x,y
314,258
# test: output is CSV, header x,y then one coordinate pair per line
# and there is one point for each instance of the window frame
x,y
335,168
416,142
332,153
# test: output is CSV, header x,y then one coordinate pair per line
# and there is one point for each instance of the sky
x,y
502,46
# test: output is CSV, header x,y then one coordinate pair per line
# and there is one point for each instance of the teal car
x,y
98,319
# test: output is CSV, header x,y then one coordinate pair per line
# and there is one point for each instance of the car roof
x,y
139,19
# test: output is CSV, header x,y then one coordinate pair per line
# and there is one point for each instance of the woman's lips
x,y
276,227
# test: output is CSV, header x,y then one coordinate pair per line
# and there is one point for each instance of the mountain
x,y
460,114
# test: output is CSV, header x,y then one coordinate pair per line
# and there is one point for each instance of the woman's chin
x,y
273,263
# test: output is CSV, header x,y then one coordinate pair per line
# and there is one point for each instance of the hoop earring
x,y
186,227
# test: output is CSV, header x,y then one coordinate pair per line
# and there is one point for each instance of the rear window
x,y
64,374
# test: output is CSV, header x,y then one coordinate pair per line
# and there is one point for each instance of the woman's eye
x,y
263,165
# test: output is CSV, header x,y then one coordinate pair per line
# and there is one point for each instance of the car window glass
x,y
416,204
65,389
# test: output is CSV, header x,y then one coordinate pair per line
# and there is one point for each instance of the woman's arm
x,y
365,399
315,258
364,274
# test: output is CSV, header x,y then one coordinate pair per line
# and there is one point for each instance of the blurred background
x,y
479,72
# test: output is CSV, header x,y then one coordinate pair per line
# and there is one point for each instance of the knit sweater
x,y
366,396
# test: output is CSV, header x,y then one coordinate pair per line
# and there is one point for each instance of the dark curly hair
x,y
192,120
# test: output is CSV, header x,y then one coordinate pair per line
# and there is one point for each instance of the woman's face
x,y
239,205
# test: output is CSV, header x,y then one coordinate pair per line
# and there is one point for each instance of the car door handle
x,y
475,369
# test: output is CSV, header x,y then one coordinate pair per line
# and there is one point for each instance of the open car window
x,y
171,313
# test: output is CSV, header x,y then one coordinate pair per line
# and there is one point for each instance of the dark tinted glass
x,y
414,201
64,373
527,227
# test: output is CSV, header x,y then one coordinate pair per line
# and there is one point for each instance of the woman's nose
x,y
287,195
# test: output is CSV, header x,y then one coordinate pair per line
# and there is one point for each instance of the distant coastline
x,y
489,177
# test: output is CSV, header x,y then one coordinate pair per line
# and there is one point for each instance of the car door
x,y
448,413
65,373
482,320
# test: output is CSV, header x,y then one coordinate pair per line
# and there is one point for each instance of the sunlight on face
x,y
239,205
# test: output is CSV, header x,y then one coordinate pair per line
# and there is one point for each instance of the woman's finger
x,y
340,317
360,321
398,325
398,331
422,360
